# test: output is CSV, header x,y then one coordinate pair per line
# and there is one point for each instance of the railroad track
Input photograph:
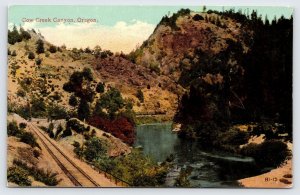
x,y
77,176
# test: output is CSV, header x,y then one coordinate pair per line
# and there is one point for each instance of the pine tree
x,y
83,109
40,47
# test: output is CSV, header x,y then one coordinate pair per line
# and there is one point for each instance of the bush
x,y
13,129
233,137
14,36
47,54
77,149
36,153
73,101
154,68
38,61
100,87
21,93
23,125
94,149
28,138
47,177
31,55
112,101
139,170
140,95
14,53
67,132
25,35
197,17
76,126
58,131
40,47
52,49
18,176
56,112
271,153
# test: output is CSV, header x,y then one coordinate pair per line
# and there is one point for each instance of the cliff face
x,y
234,68
178,38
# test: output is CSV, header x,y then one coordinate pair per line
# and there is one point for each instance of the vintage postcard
x,y
149,96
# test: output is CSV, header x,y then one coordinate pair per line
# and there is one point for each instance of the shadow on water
x,y
209,168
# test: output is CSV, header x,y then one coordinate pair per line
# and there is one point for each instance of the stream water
x,y
209,168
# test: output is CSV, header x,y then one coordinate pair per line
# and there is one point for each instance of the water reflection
x,y
210,168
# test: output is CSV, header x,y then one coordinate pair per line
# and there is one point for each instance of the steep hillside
x,y
41,77
159,91
177,38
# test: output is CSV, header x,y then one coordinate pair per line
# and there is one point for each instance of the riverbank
x,y
280,177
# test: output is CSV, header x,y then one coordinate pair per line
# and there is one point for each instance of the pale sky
x,y
118,28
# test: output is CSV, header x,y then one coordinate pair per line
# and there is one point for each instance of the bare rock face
x,y
167,48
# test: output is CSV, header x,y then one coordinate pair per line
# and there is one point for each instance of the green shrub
x,y
197,17
76,126
112,101
36,153
52,49
14,36
40,47
73,101
38,107
78,150
23,111
233,137
154,67
271,153
100,87
67,132
21,93
139,170
38,61
140,95
28,138
31,55
13,129
18,176
94,149
24,34
47,177
23,125
56,112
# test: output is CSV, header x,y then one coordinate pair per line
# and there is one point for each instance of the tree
x,y
40,47
140,95
87,50
73,100
31,55
79,85
14,36
204,9
97,51
112,101
13,129
100,87
94,149
38,61
83,109
52,49
24,34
